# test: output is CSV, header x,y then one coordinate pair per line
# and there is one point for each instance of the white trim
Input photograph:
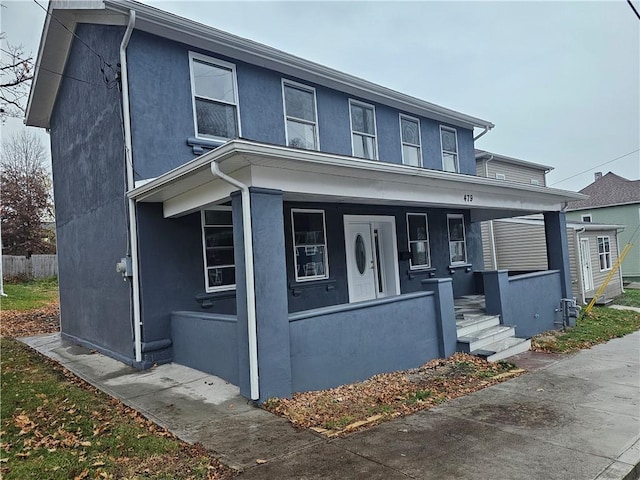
x,y
375,128
326,247
309,89
607,254
402,142
216,63
586,282
535,181
457,152
203,225
501,176
464,235
426,224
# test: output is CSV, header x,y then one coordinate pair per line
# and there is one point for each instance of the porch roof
x,y
304,175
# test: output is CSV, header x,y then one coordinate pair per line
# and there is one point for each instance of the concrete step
x,y
504,348
473,323
483,337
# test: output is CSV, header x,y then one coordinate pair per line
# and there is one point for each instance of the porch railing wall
x,y
346,343
531,301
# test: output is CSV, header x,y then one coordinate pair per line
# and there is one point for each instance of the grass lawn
x,y
599,326
55,426
29,295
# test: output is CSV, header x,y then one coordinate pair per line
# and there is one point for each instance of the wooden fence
x,y
37,266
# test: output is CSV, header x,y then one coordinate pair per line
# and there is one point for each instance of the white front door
x,y
372,262
585,262
361,262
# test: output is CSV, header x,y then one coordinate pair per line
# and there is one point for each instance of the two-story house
x,y
518,244
281,224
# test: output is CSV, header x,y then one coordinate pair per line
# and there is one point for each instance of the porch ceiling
x,y
316,176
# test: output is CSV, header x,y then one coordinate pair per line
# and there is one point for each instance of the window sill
x,y
419,272
198,145
467,267
207,299
297,287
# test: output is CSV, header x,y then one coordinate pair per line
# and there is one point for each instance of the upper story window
x,y
418,234
501,176
457,239
217,239
363,130
587,218
449,142
309,244
411,144
215,97
604,253
535,181
300,115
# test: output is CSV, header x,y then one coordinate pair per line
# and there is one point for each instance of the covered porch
x,y
342,267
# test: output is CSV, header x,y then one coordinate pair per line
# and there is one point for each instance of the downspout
x,y
133,229
486,129
492,239
249,277
579,255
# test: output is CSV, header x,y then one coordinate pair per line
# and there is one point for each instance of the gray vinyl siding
x,y
512,172
520,246
486,246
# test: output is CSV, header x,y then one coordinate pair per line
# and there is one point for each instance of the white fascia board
x,y
573,225
601,206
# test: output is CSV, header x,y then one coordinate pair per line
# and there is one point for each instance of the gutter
x,y
249,277
133,224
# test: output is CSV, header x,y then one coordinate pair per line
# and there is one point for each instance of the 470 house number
x,y
468,197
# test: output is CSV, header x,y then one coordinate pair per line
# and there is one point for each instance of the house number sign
x,y
468,197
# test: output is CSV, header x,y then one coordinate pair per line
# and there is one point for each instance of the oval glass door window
x,y
361,254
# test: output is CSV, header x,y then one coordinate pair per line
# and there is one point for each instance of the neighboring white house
x,y
519,245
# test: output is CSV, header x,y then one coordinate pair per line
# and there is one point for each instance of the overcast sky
x,y
560,80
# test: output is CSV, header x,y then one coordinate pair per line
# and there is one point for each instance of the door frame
x,y
582,266
388,258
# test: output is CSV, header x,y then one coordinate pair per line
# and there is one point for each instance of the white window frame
x,y
326,250
409,242
203,225
535,181
501,176
403,143
456,153
311,90
587,218
217,63
375,127
464,239
606,254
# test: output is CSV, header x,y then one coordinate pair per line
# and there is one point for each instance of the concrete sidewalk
x,y
575,416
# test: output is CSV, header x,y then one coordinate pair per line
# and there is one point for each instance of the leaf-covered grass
x,y
29,295
631,298
55,426
356,406
600,325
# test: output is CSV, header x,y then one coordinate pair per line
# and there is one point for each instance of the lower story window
x,y
457,241
309,244
418,234
217,238
604,253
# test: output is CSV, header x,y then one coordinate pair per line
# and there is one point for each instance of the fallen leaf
x,y
260,461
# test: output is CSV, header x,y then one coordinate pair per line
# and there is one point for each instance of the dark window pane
x,y
457,250
301,135
417,227
221,276
218,217
456,229
419,254
449,141
218,237
410,131
309,228
219,256
362,119
215,119
213,82
361,254
299,103
310,261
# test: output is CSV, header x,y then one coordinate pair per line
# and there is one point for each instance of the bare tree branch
x,y
16,74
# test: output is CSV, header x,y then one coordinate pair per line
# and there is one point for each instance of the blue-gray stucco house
x,y
252,214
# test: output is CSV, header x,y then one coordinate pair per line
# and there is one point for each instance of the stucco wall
x,y
356,341
89,185
162,116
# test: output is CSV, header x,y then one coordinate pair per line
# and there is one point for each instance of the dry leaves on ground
x,y
357,406
17,323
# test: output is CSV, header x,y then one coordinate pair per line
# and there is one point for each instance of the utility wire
x,y
634,9
39,67
596,166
